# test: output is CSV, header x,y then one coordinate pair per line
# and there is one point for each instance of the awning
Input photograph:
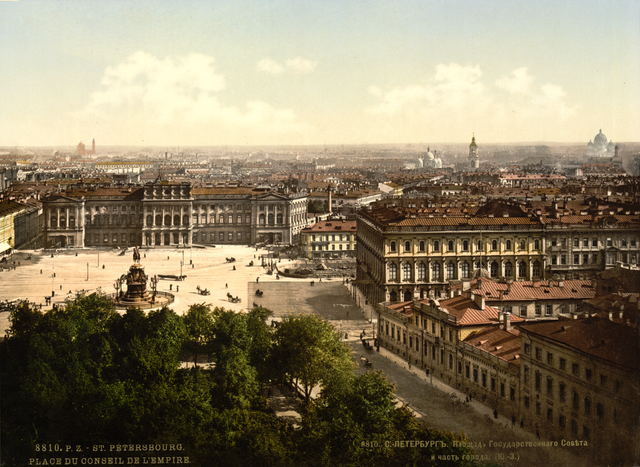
x,y
4,246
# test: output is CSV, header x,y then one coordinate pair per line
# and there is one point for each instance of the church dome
x,y
590,144
473,142
611,146
600,140
429,155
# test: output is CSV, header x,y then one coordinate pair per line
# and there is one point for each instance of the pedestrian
x,y
170,286
257,280
513,420
409,365
226,286
495,413
537,433
177,288
521,423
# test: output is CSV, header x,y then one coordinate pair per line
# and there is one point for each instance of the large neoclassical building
x,y
165,214
404,252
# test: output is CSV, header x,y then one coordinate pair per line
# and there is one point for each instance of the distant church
x,y
600,147
474,158
430,160
83,151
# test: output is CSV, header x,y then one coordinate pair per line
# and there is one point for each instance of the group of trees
x,y
86,375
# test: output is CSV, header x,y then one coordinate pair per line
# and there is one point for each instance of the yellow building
x,y
9,210
328,238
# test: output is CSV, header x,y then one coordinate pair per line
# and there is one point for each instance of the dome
x,y
473,142
590,144
429,154
611,146
600,140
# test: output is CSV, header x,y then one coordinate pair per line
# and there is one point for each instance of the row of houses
x,y
572,380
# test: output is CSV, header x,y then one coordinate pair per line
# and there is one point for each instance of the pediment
x,y
61,199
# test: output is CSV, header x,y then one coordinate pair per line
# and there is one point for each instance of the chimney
x,y
466,285
550,284
479,300
507,321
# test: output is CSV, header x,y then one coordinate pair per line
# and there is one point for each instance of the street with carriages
x,y
66,274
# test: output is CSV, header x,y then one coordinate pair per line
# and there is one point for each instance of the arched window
x,y
203,218
167,221
422,246
393,272
536,269
451,270
435,271
221,218
494,245
393,296
63,221
465,270
406,272
536,244
185,220
522,269
450,245
392,246
465,246
508,269
261,219
158,224
408,296
176,219
508,244
479,244
407,247
436,246
230,218
279,219
422,272
72,222
239,219
522,245
270,218
494,269
212,219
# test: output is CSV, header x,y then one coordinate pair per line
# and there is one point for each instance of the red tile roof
x,y
533,290
601,338
496,341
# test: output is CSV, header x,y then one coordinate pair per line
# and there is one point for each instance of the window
x,y
450,362
422,272
550,387
436,246
465,270
522,245
407,247
494,245
536,269
494,269
549,358
609,242
523,311
576,401
466,371
392,246
600,411
576,242
508,269
484,379
493,384
538,310
574,427
522,269
554,242
563,364
479,244
512,394
450,245
536,244
393,272
588,373
526,375
538,380
501,389
594,258
406,272
526,402
450,270
527,349
550,415
537,408
563,391
465,246
554,259
603,380
508,245
585,259
435,270
575,369
475,375
576,259
587,406
421,246
594,242
549,310
563,259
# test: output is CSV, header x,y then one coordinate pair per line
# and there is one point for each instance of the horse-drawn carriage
x,y
251,263
230,260
202,291
365,361
233,299
259,293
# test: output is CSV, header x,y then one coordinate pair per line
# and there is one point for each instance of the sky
x,y
292,72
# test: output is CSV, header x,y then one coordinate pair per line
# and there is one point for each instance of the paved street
x,y
431,401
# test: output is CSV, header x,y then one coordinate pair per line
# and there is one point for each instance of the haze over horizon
x,y
291,73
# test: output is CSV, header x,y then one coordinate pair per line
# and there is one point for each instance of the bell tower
x,y
474,158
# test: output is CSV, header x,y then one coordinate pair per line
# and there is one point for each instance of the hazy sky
x,y
188,72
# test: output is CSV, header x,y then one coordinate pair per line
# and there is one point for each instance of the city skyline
x,y
299,73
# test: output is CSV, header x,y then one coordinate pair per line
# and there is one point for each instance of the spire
x,y
473,140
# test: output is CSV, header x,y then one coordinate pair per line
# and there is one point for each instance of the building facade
x,y
329,238
164,214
